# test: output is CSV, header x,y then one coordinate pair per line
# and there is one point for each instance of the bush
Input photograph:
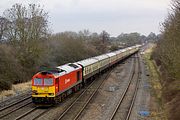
x,y
167,55
9,67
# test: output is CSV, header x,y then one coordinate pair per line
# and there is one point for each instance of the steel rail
x,y
14,103
26,113
19,107
135,94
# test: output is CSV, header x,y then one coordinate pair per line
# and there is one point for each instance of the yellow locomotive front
x,y
43,88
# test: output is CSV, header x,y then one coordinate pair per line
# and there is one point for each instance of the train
x,y
53,85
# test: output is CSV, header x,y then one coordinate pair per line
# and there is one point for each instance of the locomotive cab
x,y
43,87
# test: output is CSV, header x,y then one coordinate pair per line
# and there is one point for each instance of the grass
x,y
157,111
16,89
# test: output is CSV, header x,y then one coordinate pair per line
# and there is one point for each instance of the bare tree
x,y
27,24
26,29
3,26
105,36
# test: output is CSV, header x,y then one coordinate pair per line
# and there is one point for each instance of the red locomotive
x,y
53,85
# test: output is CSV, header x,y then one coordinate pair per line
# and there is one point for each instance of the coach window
x,y
85,70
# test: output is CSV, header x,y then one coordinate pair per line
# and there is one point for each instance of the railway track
x,y
26,113
40,114
33,113
7,110
15,103
67,113
125,96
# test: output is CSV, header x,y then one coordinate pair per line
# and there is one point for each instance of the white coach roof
x,y
69,67
111,54
87,62
101,57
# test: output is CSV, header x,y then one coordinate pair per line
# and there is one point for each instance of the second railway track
x,y
124,107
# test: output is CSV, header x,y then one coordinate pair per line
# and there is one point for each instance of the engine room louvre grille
x,y
52,71
73,65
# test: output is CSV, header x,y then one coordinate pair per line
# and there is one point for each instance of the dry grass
x,y
22,87
16,89
157,111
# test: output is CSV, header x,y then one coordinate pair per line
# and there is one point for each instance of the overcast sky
x,y
114,16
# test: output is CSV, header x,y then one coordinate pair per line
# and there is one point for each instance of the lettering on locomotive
x,y
67,80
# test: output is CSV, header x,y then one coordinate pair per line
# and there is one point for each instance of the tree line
x,y
129,39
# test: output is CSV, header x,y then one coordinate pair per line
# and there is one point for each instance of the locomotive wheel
x,y
63,96
75,89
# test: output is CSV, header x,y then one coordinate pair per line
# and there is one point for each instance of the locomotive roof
x,y
54,71
61,70
87,62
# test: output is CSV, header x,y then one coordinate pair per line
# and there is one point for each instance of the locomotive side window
x,y
37,81
78,75
57,80
48,81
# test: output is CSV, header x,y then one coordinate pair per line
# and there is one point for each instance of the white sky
x,y
114,16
